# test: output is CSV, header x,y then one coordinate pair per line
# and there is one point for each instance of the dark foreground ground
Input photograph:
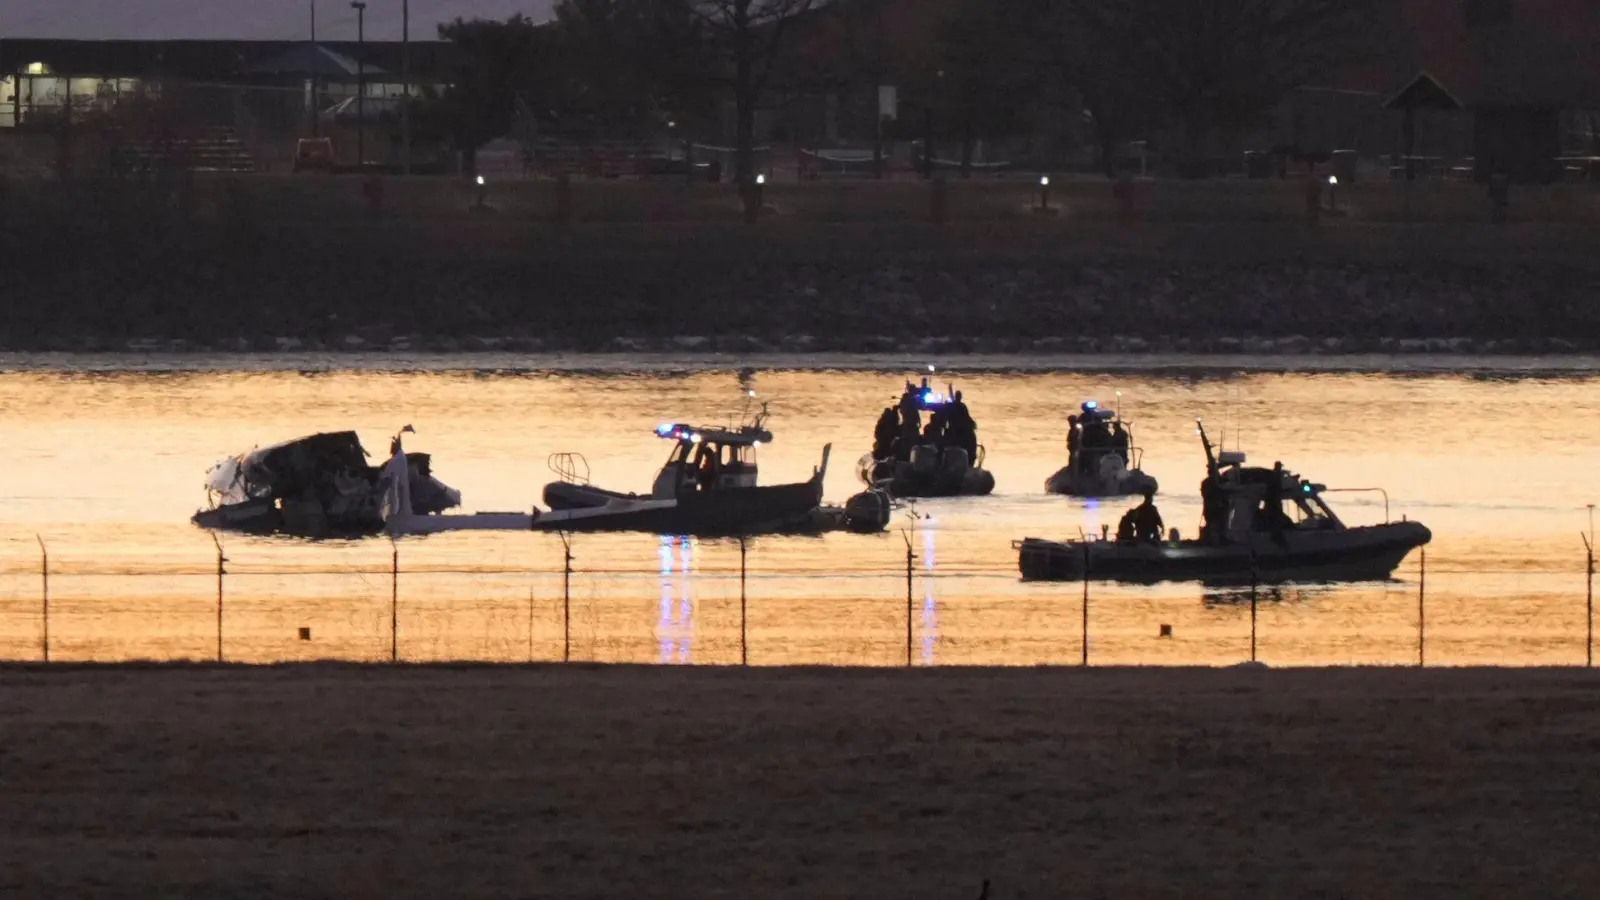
x,y
336,781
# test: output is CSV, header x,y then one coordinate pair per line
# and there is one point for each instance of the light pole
x,y
316,58
405,76
361,82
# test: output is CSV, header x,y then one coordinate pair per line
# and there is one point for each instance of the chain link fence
x,y
730,603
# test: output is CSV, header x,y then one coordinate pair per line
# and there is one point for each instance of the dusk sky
x,y
240,19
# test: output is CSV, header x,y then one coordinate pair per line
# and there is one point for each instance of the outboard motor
x,y
867,512
956,460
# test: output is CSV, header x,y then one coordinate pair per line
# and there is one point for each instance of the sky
x,y
240,19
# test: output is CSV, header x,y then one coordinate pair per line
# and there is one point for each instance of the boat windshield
x,y
708,465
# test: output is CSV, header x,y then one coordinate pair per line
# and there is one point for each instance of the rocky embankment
x,y
926,306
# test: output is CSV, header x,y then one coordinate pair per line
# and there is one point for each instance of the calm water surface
x,y
105,463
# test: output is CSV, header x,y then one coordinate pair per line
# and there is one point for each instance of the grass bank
x,y
130,275
346,781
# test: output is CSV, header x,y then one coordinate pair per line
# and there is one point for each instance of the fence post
x,y
44,596
911,559
1255,579
394,602
221,571
1422,610
1085,661
566,598
744,610
1588,645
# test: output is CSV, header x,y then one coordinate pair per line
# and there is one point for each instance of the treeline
x,y
1194,71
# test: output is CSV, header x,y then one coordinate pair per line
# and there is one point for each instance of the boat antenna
x,y
1211,456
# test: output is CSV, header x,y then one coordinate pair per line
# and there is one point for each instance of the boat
x,y
1244,541
1102,460
708,487
942,460
317,486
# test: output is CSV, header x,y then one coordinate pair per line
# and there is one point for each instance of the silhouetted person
x,y
1147,524
1074,442
910,423
1119,440
883,435
937,428
1213,512
962,430
1273,518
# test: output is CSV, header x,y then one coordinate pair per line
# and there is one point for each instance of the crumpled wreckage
x,y
317,486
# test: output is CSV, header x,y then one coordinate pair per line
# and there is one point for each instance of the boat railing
x,y
1367,490
572,468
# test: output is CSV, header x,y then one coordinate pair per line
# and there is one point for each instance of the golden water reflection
x,y
108,467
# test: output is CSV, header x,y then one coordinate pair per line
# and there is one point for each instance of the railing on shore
x,y
717,603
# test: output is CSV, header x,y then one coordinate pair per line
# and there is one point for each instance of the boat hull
x,y
725,512
1369,553
901,479
1076,484
722,513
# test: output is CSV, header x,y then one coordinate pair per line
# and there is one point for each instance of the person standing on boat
x,y
1119,440
1213,512
1143,522
884,434
1272,514
938,427
910,424
962,430
1096,439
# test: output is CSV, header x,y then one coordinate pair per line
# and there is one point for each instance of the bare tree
x,y
1222,64
747,38
629,63
988,70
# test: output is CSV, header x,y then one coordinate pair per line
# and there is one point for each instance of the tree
x,y
745,39
1220,64
1089,68
492,62
987,71
632,64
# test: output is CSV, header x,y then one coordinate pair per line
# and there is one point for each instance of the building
x,y
1474,86
248,101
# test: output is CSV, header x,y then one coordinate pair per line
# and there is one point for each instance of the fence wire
x,y
729,603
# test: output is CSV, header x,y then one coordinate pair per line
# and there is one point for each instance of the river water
x,y
106,457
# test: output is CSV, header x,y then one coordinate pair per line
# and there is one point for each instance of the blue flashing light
x,y
930,397
1092,404
665,430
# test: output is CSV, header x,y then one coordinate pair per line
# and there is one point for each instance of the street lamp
x,y
405,76
361,82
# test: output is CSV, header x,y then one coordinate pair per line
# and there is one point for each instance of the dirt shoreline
x,y
350,781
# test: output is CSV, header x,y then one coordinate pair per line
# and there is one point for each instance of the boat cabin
x,y
708,459
1243,497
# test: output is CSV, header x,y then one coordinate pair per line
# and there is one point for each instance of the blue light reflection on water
x,y
675,630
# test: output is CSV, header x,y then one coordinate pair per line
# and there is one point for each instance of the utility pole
x,y
405,76
316,69
360,7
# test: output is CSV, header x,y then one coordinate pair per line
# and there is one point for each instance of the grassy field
x,y
333,781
